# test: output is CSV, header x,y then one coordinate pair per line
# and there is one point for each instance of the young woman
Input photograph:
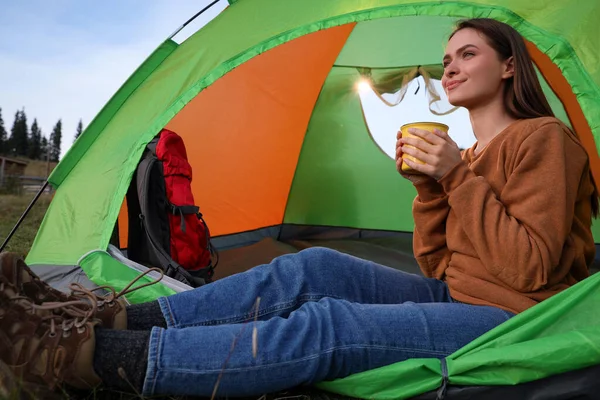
x,y
499,228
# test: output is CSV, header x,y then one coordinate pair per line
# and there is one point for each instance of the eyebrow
x,y
447,56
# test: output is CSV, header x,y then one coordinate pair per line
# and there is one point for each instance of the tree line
x,y
30,142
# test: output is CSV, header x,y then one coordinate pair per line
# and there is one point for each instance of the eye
x,y
468,54
445,64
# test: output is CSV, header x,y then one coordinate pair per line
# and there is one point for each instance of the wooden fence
x,y
21,184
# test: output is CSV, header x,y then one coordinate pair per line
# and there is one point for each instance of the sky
x,y
64,59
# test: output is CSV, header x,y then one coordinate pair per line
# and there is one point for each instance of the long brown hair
x,y
523,95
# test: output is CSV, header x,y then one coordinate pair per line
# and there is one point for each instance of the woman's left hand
x,y
438,151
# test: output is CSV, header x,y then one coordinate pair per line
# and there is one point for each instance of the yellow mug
x,y
428,126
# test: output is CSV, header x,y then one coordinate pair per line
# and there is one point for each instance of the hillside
x,y
37,167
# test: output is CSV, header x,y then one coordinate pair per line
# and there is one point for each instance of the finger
x,y
445,136
398,149
399,163
418,154
415,165
419,144
440,133
399,135
427,135
422,168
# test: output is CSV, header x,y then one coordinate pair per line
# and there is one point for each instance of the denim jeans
x,y
321,315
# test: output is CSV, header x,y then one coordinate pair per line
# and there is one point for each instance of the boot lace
x,y
79,291
61,316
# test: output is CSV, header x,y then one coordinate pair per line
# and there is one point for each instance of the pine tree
x,y
55,139
3,137
35,142
14,132
44,147
22,145
19,140
79,130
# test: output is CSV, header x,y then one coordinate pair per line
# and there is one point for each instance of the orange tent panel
x,y
244,132
564,92
123,226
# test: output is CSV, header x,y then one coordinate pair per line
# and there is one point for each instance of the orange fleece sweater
x,y
510,226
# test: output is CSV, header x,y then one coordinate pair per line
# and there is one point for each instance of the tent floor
x,y
393,251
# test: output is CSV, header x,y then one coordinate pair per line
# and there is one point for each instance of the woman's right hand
x,y
414,178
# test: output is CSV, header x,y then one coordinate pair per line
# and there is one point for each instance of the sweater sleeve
x,y
430,211
519,233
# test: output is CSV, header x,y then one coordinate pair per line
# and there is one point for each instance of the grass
x,y
12,207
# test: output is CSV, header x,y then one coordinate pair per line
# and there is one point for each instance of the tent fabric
x,y
96,127
581,384
264,98
332,150
240,33
102,269
381,43
248,155
568,99
60,277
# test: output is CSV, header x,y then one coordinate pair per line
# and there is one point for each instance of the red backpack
x,y
166,228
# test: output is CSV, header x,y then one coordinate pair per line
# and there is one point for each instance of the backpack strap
x,y
183,210
214,254
150,223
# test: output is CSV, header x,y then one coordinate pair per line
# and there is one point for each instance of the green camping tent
x,y
265,99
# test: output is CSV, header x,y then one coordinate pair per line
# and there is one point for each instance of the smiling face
x,y
474,74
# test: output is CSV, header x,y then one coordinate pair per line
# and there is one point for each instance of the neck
x,y
488,120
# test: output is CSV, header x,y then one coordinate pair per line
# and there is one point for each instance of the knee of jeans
x,y
315,258
316,255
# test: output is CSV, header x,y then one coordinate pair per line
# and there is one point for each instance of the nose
x,y
451,69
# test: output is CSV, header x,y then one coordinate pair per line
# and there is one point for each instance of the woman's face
x,y
473,72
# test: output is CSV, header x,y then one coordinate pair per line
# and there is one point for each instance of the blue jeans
x,y
322,315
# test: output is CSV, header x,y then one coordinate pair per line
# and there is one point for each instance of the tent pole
x,y
193,18
10,235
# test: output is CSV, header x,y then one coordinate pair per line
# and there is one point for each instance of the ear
x,y
509,68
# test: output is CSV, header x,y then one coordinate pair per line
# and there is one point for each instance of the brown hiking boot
x,y
14,269
112,314
110,308
51,344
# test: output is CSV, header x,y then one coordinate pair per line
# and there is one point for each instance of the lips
x,y
452,85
